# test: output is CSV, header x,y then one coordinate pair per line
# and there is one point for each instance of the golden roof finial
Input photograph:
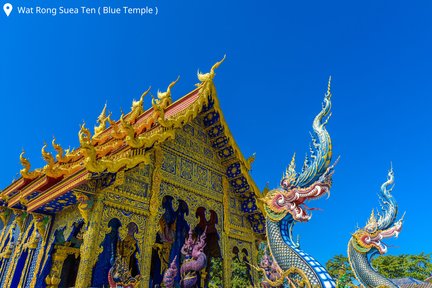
x,y
164,98
47,156
44,153
59,149
84,134
115,133
24,162
138,107
140,102
102,115
127,128
209,76
101,120
250,160
25,172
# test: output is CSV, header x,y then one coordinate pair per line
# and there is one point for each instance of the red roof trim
x,y
59,189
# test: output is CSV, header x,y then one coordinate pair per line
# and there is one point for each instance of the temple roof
x,y
125,143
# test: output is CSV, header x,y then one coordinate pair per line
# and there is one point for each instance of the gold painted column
x,y
58,258
226,261
90,248
226,230
151,229
53,279
21,221
4,216
254,261
43,222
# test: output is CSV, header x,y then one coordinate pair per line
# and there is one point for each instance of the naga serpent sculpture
x,y
367,242
284,206
169,275
271,269
195,259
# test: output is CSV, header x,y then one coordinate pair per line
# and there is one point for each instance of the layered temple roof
x,y
125,143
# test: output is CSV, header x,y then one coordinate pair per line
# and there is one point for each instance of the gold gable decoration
x,y
122,144
127,142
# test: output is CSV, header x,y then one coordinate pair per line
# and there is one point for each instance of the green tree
x,y
215,273
240,274
405,265
340,269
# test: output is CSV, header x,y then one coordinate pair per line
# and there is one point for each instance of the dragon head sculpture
x,y
369,239
313,182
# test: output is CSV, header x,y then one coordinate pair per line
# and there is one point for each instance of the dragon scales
x,y
367,242
284,206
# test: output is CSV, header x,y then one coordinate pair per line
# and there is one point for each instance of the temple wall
x,y
191,171
23,240
121,216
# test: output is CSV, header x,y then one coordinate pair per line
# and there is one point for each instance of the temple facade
x,y
161,197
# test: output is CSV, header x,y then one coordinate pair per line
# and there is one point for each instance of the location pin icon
x,y
7,8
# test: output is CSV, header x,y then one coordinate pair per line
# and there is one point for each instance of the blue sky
x,y
58,71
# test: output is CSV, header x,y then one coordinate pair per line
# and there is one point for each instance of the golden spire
x,y
101,120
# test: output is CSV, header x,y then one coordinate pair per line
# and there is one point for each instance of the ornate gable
x,y
195,123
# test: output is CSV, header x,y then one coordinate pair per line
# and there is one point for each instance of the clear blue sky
x,y
56,72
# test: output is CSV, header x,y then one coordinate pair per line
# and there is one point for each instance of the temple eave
x,y
59,189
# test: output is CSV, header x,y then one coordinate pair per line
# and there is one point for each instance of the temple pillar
x,y
90,248
59,256
53,279
152,223
41,226
5,214
254,262
226,230
226,261
14,248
